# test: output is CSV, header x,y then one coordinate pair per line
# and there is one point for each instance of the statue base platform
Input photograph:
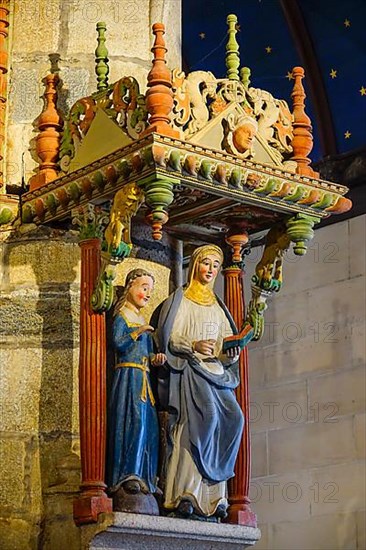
x,y
136,531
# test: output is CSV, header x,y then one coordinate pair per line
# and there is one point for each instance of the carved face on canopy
x,y
243,137
240,131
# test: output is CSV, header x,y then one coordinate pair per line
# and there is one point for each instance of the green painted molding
x,y
101,58
153,157
300,231
6,215
232,49
245,73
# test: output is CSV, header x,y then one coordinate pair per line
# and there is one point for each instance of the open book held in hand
x,y
239,340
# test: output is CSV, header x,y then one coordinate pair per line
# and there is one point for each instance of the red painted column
x,y
92,393
238,487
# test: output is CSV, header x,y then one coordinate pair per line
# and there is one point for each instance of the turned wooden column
x,y
238,486
92,393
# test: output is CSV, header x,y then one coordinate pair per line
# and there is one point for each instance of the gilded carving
x,y
126,203
117,243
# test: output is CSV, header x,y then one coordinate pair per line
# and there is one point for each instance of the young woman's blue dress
x,y
132,420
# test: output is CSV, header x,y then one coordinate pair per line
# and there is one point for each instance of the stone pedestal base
x,y
136,532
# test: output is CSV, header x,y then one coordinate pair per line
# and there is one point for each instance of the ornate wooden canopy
x,y
208,159
208,153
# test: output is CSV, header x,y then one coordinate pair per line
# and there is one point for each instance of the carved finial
x,y
101,58
302,141
159,97
232,49
4,24
245,76
48,139
237,239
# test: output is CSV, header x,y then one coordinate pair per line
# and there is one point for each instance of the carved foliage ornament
x,y
122,102
199,97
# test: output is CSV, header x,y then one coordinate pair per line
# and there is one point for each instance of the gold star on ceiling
x,y
363,90
333,73
347,134
289,75
347,23
202,35
268,49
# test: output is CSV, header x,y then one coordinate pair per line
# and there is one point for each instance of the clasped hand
x,y
159,358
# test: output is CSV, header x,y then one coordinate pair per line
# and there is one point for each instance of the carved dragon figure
x,y
190,97
274,120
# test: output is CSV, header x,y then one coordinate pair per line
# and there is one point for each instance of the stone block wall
x,y
39,327
39,420
308,398
67,28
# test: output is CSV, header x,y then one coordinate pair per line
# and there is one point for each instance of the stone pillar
x,y
92,393
238,487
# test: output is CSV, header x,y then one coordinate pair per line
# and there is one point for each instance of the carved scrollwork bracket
x,y
117,243
267,278
268,273
113,230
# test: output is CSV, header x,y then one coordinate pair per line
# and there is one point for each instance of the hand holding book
x,y
239,340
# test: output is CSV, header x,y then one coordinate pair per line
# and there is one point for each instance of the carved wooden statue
x,y
205,420
132,457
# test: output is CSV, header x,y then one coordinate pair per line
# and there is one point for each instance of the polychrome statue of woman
x,y
132,457
205,420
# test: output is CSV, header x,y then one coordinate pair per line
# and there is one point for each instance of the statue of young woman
x,y
132,458
205,420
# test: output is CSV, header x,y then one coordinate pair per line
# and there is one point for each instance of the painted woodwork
x,y
159,97
268,272
48,139
92,380
101,58
9,210
232,49
238,487
206,159
302,142
116,243
245,181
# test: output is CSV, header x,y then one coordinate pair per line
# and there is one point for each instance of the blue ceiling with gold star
x,y
326,37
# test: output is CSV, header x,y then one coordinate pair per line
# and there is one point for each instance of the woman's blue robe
x,y
132,421
215,422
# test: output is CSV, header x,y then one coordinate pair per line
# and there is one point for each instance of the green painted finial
x,y
245,77
232,49
101,58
